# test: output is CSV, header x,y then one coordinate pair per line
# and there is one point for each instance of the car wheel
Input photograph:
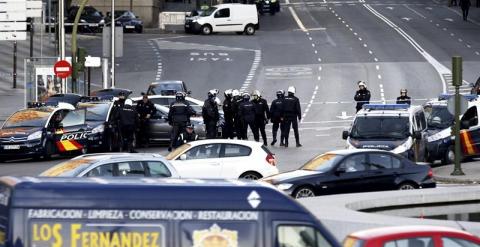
x,y
250,176
449,156
206,30
303,192
407,186
249,29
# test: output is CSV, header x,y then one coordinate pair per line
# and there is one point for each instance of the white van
x,y
234,17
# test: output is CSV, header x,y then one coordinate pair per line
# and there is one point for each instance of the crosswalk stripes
x,y
464,88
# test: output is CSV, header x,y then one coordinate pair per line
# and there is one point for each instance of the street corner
x,y
471,170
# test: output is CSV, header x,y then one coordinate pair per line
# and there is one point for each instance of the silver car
x,y
114,165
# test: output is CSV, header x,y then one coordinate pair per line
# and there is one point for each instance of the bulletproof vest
x,y
290,105
277,106
180,112
248,111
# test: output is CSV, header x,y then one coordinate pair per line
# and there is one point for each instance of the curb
x,y
450,180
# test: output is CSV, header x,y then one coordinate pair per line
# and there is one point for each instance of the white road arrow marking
x,y
406,18
449,19
429,8
344,116
390,8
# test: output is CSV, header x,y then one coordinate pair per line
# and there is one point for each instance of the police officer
x,y
228,114
121,100
276,114
145,110
262,115
362,96
403,98
246,112
237,123
127,117
291,112
178,117
188,136
210,115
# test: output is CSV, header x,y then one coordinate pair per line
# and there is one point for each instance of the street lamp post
x,y
112,25
61,41
457,82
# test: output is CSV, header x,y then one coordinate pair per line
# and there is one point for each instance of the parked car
x,y
412,236
223,158
110,93
268,6
167,88
91,20
113,165
126,19
239,18
351,171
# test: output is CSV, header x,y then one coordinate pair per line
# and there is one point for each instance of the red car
x,y
412,236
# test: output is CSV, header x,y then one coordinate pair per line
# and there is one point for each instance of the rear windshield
x,y
28,118
167,88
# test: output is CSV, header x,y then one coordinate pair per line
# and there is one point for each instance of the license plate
x,y
10,147
129,26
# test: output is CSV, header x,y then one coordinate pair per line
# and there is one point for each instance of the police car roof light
x,y
386,106
468,97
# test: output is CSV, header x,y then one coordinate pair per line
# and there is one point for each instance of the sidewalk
x,y
471,170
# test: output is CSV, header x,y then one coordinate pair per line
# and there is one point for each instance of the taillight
x,y
430,173
271,159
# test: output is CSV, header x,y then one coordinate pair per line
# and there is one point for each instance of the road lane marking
x,y
414,11
297,20
460,14
310,104
440,68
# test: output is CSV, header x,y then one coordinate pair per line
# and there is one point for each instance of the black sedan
x,y
352,171
126,19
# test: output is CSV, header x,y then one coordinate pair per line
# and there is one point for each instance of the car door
x,y
222,21
349,176
235,160
381,172
159,129
202,161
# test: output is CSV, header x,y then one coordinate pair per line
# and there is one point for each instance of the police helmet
x,y
228,93
235,93
246,96
256,93
362,83
280,93
129,102
180,96
291,89
403,90
211,93
190,126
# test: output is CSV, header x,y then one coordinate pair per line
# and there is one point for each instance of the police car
x,y
33,132
153,212
440,142
399,128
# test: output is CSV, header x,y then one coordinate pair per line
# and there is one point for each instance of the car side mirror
x,y
417,135
465,124
340,170
345,134
183,157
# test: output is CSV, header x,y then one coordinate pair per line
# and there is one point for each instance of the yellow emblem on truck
x,y
215,237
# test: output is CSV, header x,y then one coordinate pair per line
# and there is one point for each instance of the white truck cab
x,y
399,128
233,17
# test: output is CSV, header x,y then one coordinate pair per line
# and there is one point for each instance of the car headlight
x,y
403,147
35,135
98,129
284,186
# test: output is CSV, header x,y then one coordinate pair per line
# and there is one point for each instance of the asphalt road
x,y
322,48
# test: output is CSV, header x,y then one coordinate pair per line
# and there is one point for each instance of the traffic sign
x,y
13,35
93,61
62,69
451,105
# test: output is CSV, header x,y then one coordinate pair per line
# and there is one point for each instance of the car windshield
x,y
322,163
69,168
162,89
95,112
438,117
381,127
178,151
28,118
208,12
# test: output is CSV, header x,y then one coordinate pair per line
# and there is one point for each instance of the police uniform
x,y
276,114
210,117
145,110
178,117
127,116
292,111
362,97
228,114
237,122
404,100
262,115
246,111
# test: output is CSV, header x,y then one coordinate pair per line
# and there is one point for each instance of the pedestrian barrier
x,y
171,18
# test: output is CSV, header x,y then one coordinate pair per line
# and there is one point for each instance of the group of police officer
x,y
362,96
